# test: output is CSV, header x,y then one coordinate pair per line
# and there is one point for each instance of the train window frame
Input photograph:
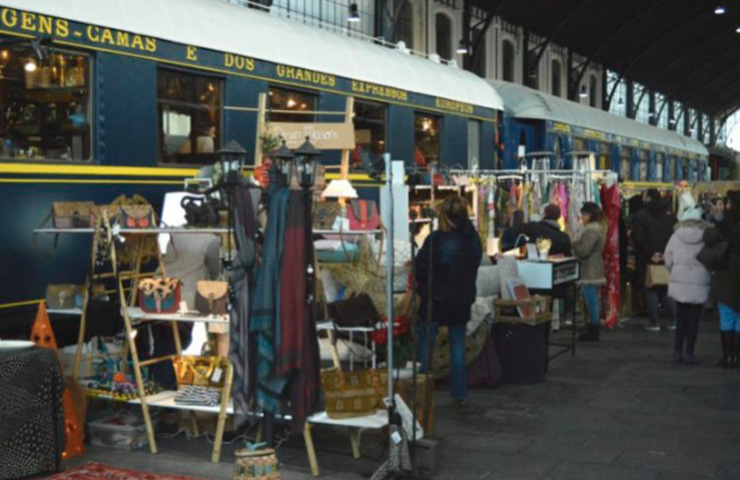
x,y
439,119
359,119
7,149
301,94
208,158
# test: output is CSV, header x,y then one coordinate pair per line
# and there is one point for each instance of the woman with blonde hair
x,y
446,271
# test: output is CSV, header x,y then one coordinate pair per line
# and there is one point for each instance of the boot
x,y
589,334
728,339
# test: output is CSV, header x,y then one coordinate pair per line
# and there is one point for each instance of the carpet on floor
x,y
99,471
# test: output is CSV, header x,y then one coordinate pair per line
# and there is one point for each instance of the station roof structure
x,y
681,48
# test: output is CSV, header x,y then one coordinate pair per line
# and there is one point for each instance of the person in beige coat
x,y
588,244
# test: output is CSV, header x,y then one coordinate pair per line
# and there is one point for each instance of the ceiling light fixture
x,y
354,13
719,10
462,48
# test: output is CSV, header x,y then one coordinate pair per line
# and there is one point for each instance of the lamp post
x,y
231,159
307,158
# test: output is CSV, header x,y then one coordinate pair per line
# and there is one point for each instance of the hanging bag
x,y
363,215
657,276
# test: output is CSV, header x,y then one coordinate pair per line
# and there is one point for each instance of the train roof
x,y
524,102
244,31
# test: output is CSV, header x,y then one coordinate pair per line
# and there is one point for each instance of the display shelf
x,y
65,311
133,231
139,316
421,220
347,232
369,422
166,399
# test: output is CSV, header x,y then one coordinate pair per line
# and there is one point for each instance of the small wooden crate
x,y
505,311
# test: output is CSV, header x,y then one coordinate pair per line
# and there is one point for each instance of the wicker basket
x,y
539,311
353,394
256,465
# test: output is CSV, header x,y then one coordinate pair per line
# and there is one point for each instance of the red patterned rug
x,y
98,471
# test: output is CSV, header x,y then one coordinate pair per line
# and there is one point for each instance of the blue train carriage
x,y
535,121
128,97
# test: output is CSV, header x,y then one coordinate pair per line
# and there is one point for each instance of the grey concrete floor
x,y
618,410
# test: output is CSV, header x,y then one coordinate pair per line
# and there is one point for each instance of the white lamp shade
x,y
339,189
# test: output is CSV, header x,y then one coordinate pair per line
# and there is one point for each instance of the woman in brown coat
x,y
588,244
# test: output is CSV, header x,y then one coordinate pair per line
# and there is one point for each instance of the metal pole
x,y
389,277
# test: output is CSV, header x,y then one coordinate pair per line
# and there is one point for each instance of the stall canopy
x,y
235,29
526,103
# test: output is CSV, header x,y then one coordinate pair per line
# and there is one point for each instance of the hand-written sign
x,y
324,136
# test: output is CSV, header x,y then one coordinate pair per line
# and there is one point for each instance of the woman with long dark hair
x,y
446,271
588,244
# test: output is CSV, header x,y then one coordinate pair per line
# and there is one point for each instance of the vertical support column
x,y
605,100
700,127
526,79
380,30
672,125
261,111
572,89
466,36
652,108
712,130
630,100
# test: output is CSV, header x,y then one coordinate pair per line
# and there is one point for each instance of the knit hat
x,y
691,213
552,212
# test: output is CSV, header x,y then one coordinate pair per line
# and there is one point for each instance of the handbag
x,y
72,214
324,215
197,370
199,212
363,215
355,311
62,296
159,295
353,394
111,211
137,216
657,276
211,298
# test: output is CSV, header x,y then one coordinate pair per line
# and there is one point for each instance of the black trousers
x,y
687,326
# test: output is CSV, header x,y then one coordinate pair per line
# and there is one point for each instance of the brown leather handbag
x,y
211,298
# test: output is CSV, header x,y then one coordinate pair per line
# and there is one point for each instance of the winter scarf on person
x,y
689,281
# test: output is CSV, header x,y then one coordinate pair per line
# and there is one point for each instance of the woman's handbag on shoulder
x,y
657,276
159,295
211,298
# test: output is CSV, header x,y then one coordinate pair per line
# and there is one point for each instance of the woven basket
x,y
257,465
353,394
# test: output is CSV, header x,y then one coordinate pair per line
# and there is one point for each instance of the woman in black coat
x,y
446,272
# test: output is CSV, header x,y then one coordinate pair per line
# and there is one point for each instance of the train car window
x,y
473,144
427,133
443,35
370,124
643,166
190,109
291,100
46,104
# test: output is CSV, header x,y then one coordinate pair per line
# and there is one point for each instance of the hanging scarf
x,y
611,291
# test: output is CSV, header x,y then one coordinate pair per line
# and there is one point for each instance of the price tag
x,y
217,373
396,438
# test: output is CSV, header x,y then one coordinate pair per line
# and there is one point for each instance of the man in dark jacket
x,y
726,279
652,228
550,229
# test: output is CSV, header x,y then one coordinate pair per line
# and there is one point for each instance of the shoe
x,y
589,334
728,339
671,327
691,359
652,328
677,357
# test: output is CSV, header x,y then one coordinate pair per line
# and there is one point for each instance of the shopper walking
x,y
588,245
725,238
446,272
689,281
652,227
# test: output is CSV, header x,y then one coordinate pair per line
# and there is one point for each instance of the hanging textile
x,y
524,205
246,201
265,306
577,199
610,292
491,219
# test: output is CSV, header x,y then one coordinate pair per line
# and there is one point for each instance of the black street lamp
x,y
232,158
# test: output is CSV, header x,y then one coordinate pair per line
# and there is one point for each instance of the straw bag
x,y
211,298
324,215
72,214
256,465
353,394
201,371
137,216
159,295
111,211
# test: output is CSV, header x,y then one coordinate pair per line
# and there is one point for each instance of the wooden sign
x,y
324,136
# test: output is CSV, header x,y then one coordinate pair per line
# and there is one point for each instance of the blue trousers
x,y
729,319
592,296
458,369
